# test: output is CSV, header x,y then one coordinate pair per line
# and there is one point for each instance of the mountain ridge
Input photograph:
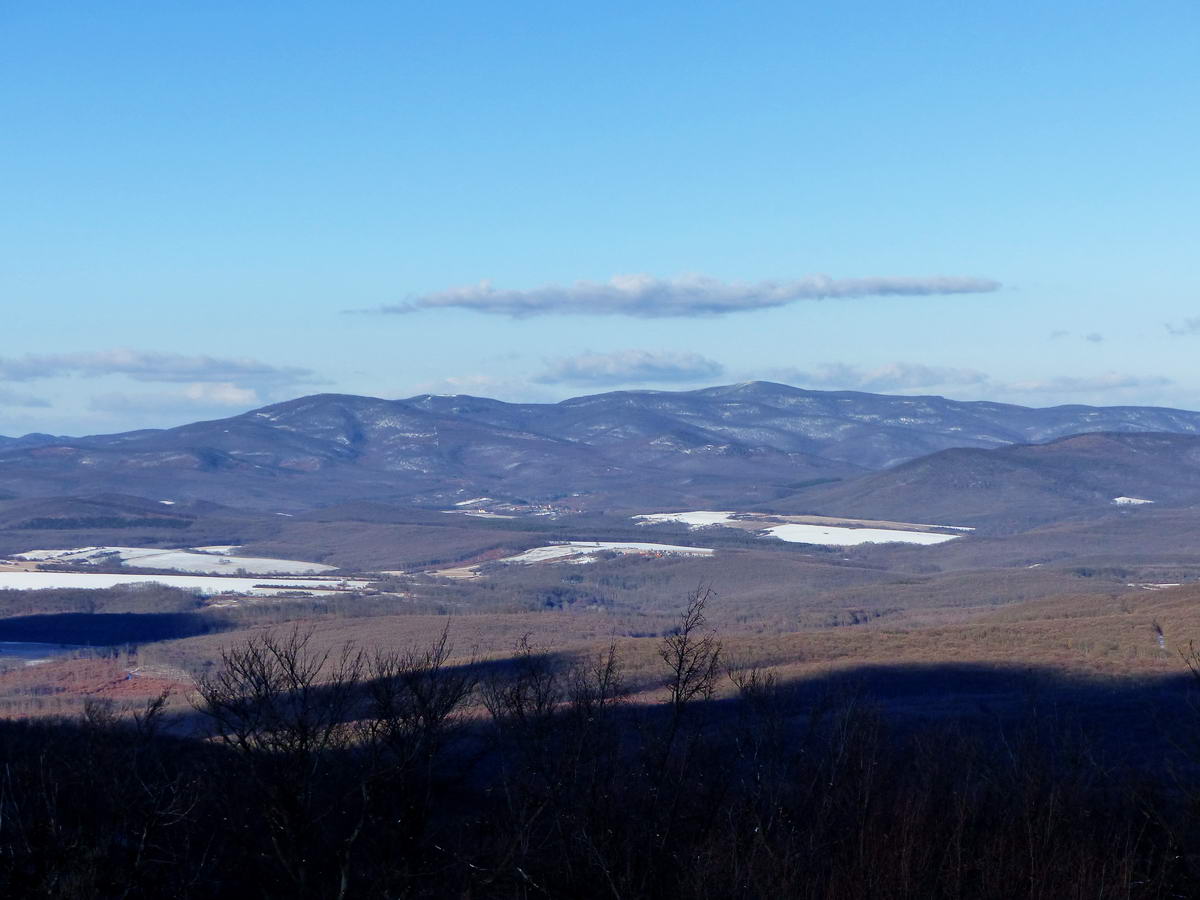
x,y
749,443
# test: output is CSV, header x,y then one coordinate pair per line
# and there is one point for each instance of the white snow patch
x,y
204,584
1130,501
472,501
705,518
832,536
698,519
587,548
201,560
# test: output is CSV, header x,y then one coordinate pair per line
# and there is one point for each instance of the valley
x,y
381,536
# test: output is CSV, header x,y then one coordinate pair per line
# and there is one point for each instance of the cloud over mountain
x,y
14,398
645,296
150,366
1070,384
193,397
630,367
897,376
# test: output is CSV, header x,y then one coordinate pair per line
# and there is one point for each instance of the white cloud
x,y
516,390
690,295
1186,327
152,367
1072,384
630,367
14,398
897,376
201,396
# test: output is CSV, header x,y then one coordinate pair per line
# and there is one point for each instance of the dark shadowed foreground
x,y
402,775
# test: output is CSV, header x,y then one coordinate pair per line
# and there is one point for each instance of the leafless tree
x,y
287,710
692,653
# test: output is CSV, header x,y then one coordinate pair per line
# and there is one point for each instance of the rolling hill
x,y
1011,488
753,443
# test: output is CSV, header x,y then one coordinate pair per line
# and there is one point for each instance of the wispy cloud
x,y
630,367
691,295
1072,384
904,378
152,367
1186,327
1092,337
15,398
218,396
491,386
897,376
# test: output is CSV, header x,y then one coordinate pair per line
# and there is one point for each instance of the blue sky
x,y
209,206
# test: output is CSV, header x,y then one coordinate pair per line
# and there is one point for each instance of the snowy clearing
x,y
700,518
826,530
577,553
199,560
589,548
848,537
204,584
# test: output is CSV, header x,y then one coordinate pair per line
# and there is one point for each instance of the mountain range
x,y
749,444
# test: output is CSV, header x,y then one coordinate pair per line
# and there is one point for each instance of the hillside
x,y
740,444
1011,488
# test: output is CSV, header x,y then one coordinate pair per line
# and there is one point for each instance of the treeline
x,y
136,597
64,523
408,775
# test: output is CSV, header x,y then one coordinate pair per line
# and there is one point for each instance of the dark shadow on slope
x,y
108,629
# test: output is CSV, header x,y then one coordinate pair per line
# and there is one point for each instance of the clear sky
x,y
212,205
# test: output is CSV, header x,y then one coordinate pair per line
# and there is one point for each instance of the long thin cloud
x,y
897,376
200,396
630,367
1110,381
150,366
13,398
645,296
1187,326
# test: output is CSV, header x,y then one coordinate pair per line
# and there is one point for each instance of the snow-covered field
x,y
204,584
1130,501
198,560
848,537
700,518
582,551
832,533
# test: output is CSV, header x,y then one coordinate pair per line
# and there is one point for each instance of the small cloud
x,y
208,396
645,296
1071,384
14,398
1186,327
494,387
630,367
152,367
897,376
1093,337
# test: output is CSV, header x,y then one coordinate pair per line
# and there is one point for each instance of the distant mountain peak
x,y
740,442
